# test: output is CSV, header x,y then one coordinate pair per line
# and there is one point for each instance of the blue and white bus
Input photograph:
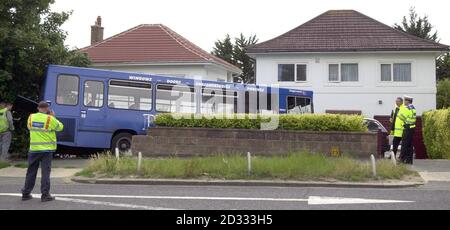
x,y
104,109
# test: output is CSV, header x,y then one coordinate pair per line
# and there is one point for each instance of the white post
x,y
394,161
139,162
374,165
249,163
117,153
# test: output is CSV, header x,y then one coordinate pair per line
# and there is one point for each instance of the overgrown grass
x,y
4,164
298,166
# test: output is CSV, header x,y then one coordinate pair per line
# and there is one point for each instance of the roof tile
x,y
151,43
345,31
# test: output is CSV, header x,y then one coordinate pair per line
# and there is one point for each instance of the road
x,y
74,196
70,195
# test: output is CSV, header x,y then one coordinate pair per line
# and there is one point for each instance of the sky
x,y
204,21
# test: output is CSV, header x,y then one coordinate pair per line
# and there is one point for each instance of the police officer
x,y
6,127
397,124
408,116
43,127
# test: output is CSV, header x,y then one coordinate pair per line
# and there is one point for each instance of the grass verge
x,y
4,164
298,166
22,165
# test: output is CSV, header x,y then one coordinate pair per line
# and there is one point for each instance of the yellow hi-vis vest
x,y
43,130
398,128
408,116
4,125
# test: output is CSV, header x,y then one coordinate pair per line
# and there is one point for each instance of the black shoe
x,y
47,198
26,197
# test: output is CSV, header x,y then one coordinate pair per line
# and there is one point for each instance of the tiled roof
x,y
345,31
151,43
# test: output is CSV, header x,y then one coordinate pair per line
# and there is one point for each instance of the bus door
x,y
92,108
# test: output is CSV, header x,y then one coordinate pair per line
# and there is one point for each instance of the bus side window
x,y
130,95
67,89
218,101
299,105
264,102
175,99
290,103
93,94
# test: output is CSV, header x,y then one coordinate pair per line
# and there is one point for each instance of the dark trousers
x,y
34,159
395,143
407,146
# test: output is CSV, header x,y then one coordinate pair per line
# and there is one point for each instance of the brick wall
x,y
162,141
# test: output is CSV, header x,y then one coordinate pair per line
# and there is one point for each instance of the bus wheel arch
x,y
121,139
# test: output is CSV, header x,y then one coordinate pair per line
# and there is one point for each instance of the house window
x,y
292,72
386,72
349,72
301,73
333,72
401,72
345,72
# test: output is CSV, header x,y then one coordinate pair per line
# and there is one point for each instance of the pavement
x,y
21,172
433,195
61,168
433,170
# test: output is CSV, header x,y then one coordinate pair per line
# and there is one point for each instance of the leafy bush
x,y
306,122
443,94
322,122
436,133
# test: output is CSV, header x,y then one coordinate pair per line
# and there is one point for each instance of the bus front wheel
x,y
121,141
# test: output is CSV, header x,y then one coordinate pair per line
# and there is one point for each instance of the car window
x,y
372,126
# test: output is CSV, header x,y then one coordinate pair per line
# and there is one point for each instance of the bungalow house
x,y
155,49
353,63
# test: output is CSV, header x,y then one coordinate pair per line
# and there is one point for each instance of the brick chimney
x,y
97,31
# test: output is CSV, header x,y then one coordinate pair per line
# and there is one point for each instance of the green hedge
x,y
436,133
306,122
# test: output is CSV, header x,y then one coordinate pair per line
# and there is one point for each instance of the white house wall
x,y
216,74
363,95
187,71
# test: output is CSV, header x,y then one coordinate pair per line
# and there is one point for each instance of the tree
x,y
243,61
236,54
443,94
421,27
30,40
443,67
417,26
224,49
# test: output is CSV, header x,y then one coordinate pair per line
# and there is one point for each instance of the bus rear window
x,y
130,95
67,90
